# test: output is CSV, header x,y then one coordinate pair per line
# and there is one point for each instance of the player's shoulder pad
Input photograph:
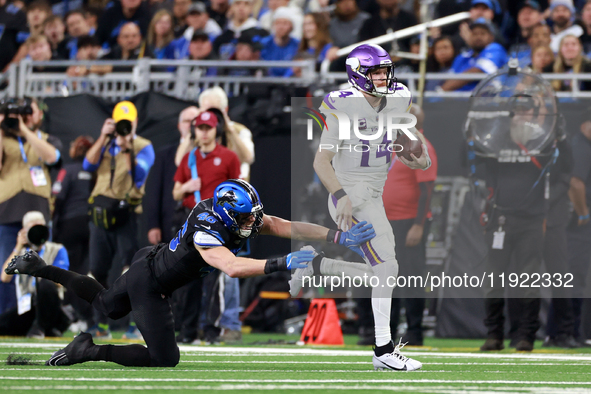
x,y
205,239
400,98
204,219
335,100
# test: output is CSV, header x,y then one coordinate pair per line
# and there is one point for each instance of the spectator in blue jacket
x,y
280,45
484,56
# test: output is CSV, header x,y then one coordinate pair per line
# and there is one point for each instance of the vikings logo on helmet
x,y
364,60
228,197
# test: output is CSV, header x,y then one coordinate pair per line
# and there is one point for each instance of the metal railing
x,y
183,79
186,79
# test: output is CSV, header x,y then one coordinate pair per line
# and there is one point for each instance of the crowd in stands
x,y
552,36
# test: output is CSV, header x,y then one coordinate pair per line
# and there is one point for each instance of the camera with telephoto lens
x,y
123,128
11,108
38,235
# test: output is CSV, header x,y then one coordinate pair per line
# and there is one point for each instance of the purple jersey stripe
x,y
327,102
368,255
372,249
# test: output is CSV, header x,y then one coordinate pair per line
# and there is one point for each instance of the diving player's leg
x,y
32,264
153,316
113,302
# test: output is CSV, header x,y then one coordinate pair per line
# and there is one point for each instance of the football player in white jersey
x,y
355,177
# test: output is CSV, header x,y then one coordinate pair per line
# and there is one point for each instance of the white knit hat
x,y
283,13
33,216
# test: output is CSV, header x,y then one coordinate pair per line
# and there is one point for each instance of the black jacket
x,y
12,22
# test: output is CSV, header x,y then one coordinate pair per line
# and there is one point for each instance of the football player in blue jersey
x,y
216,229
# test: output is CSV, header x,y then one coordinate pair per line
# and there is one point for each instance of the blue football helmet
x,y
235,201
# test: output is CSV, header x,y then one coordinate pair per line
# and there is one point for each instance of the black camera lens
x,y
123,127
38,234
14,106
10,124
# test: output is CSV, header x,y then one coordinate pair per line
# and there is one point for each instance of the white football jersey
x,y
357,159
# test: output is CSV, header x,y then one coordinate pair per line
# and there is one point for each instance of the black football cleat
x,y
28,263
78,351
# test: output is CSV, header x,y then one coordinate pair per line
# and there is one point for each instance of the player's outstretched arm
x,y
278,227
241,267
358,235
325,171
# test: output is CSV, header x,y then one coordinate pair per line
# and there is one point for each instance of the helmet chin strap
x,y
244,233
382,89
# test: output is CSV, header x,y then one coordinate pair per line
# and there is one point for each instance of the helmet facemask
x,y
362,79
244,224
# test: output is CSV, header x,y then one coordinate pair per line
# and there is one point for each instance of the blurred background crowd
x,y
546,36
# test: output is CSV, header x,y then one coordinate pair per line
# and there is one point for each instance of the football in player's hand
x,y
408,146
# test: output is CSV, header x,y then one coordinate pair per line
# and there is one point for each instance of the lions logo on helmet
x,y
236,202
228,197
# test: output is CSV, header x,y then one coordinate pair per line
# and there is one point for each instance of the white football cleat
x,y
296,282
395,361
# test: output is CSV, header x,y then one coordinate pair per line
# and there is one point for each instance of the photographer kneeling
x,y
26,153
121,160
38,312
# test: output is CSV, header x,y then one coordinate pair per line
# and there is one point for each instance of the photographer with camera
x,y
26,153
121,160
38,311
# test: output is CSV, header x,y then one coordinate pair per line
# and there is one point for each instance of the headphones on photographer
x,y
219,133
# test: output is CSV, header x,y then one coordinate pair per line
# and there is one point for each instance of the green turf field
x,y
449,366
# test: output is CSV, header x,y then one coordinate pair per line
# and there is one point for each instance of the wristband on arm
x,y
274,265
339,194
334,236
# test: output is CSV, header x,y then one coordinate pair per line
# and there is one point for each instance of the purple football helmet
x,y
362,61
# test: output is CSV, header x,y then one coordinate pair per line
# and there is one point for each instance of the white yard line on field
x,y
368,353
297,381
348,388
299,351
329,371
367,362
